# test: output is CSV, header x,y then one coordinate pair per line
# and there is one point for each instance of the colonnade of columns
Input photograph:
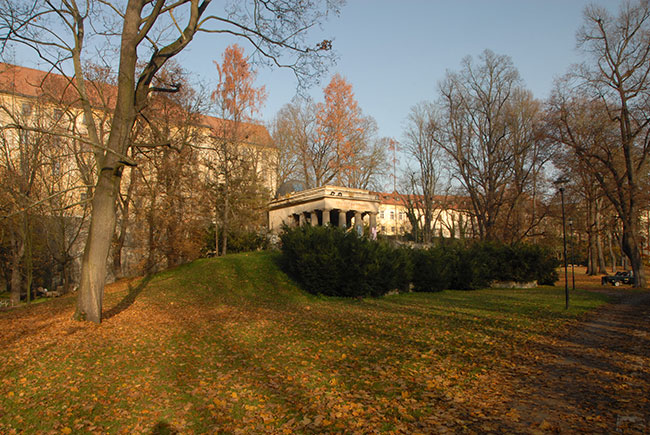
x,y
326,218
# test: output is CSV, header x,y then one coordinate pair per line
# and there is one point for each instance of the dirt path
x,y
595,379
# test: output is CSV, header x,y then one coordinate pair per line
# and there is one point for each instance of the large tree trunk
x,y
93,266
109,166
631,248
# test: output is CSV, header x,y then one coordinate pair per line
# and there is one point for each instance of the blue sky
x,y
395,52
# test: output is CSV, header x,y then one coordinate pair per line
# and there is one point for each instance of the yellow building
x,y
47,165
450,217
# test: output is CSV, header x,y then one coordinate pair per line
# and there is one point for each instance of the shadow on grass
x,y
163,428
129,299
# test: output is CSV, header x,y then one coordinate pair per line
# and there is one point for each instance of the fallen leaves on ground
x,y
231,346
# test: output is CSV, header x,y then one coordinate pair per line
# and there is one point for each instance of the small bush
x,y
330,261
238,240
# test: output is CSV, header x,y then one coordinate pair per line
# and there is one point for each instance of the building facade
x,y
48,173
338,206
383,213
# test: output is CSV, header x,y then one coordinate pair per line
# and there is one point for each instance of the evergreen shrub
x,y
333,262
459,266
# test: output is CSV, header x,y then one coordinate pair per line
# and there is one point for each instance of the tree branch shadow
x,y
129,299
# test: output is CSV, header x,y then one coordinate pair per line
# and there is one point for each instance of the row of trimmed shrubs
x,y
329,261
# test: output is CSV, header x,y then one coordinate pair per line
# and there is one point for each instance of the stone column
x,y
314,219
302,219
373,225
373,219
326,217
358,223
342,223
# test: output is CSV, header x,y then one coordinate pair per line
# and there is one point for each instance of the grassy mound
x,y
232,344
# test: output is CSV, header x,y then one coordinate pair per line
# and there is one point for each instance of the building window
x,y
381,215
392,229
27,109
383,229
401,215
392,216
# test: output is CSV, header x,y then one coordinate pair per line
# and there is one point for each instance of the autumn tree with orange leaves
x,y
331,141
340,125
235,161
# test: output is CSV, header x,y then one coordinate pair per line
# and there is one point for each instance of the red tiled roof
x,y
395,198
29,82
33,83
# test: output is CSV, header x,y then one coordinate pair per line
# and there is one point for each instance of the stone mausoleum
x,y
338,206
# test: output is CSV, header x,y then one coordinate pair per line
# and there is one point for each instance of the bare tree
x,y
165,191
21,164
421,145
151,33
313,154
612,91
286,161
486,127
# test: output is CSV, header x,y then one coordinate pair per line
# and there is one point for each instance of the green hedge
x,y
330,261
464,267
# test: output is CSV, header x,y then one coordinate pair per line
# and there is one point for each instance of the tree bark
x,y
93,266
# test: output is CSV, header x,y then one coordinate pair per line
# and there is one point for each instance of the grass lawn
x,y
231,345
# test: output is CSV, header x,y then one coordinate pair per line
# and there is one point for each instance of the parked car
x,y
618,278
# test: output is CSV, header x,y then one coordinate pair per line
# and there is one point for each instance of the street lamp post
x,y
573,260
